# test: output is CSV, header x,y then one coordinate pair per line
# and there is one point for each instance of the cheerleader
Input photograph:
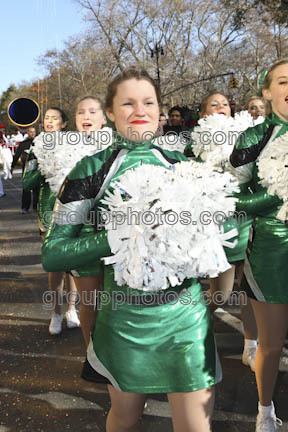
x,y
257,107
89,117
137,349
217,103
54,120
265,269
213,103
2,193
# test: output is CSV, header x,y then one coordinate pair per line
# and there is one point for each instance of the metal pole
x,y
59,88
40,127
46,94
157,51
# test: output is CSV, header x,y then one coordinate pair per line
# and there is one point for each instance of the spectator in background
x,y
175,115
21,152
11,142
176,124
19,137
162,123
162,120
6,159
8,140
2,193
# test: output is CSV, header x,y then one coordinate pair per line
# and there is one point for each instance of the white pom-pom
x,y
259,120
273,171
56,160
161,228
216,136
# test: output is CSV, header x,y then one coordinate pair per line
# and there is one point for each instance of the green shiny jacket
x,y
63,248
32,177
244,157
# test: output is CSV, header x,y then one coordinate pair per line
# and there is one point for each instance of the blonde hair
x,y
264,101
204,102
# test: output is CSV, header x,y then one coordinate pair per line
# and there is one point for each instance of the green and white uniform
x,y
166,347
33,177
266,267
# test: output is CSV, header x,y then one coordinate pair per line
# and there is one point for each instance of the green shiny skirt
x,y
87,271
266,268
154,349
238,253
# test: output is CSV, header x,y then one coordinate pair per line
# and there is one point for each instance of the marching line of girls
x,y
136,348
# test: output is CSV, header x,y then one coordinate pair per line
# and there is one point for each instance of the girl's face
x,y
135,110
89,116
256,108
218,104
53,121
277,93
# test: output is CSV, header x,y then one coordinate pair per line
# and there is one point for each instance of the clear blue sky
x,y
28,29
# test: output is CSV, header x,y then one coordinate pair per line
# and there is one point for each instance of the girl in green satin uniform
x,y
54,120
89,117
257,107
140,349
217,103
265,269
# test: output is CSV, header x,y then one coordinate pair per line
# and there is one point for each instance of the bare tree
x,y
201,42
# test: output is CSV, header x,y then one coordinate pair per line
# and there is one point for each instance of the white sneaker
x,y
72,319
55,326
268,423
249,357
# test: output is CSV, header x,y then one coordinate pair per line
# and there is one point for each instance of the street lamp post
x,y
157,51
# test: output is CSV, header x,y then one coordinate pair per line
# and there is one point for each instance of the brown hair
x,y
61,112
127,74
95,98
268,77
204,102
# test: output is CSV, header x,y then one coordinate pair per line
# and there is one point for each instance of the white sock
x,y
250,343
266,410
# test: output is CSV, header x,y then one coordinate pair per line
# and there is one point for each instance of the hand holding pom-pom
x,y
162,238
55,161
215,136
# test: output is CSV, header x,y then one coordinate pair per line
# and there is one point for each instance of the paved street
x,y
40,385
